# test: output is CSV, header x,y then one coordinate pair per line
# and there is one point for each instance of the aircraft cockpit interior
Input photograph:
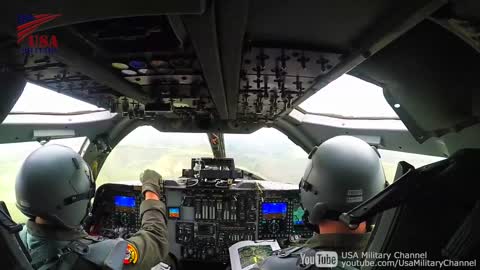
x,y
209,209
253,119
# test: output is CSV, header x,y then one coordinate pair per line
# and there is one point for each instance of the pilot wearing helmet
x,y
344,171
54,189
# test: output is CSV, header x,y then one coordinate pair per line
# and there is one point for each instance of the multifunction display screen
x,y
124,201
298,216
274,210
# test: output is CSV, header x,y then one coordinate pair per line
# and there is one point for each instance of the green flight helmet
x,y
56,184
343,172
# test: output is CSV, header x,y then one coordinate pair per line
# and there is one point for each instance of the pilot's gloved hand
x,y
152,181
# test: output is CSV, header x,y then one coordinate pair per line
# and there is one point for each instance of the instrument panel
x,y
203,222
115,212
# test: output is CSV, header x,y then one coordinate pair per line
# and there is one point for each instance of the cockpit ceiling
x,y
161,75
236,63
150,66
336,25
271,79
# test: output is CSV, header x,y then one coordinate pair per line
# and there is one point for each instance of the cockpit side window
x,y
390,161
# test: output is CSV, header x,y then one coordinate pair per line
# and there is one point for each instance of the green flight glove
x,y
152,181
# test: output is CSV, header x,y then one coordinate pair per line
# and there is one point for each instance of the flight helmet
x,y
343,172
56,184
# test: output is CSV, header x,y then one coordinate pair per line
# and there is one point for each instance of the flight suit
x,y
290,258
146,248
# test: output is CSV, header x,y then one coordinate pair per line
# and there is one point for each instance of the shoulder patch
x,y
131,254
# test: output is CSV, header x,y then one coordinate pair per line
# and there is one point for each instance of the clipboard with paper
x,y
246,255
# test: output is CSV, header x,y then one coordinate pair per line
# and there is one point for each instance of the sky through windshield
x,y
349,96
38,99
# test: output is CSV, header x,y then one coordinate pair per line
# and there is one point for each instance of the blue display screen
x,y
274,210
124,201
174,212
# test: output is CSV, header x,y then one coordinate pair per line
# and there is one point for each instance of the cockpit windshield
x,y
146,147
266,153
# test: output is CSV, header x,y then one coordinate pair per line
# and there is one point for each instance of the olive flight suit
x,y
52,247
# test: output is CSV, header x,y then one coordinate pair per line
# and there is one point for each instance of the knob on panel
x,y
274,227
210,251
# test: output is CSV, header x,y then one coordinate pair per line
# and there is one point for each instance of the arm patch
x,y
131,255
